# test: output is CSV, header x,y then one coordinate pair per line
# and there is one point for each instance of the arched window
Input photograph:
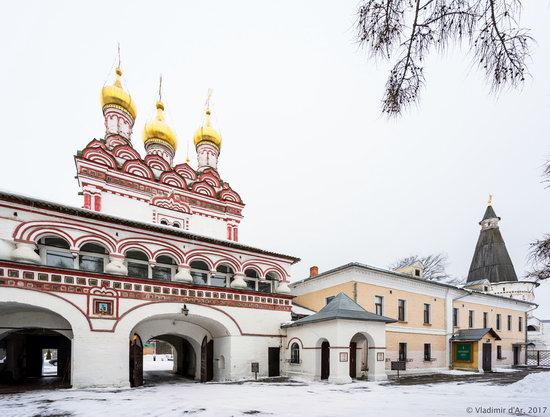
x,y
295,353
199,272
252,278
269,283
138,264
55,251
222,277
164,222
176,225
92,257
165,268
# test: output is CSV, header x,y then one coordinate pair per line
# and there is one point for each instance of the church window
x,y
222,277
137,264
264,286
295,353
57,252
164,222
165,268
199,272
92,257
470,319
485,320
176,225
498,321
252,278
509,323
520,324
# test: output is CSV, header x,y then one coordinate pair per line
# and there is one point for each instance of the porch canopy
x,y
474,335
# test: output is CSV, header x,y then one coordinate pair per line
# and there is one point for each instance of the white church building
x,y
154,254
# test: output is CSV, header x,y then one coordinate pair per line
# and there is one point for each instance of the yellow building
x,y
438,326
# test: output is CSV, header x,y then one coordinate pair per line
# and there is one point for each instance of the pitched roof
x,y
491,260
344,308
473,335
490,213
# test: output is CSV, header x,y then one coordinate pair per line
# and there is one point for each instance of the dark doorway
x,y
273,361
487,352
35,357
325,360
353,359
516,355
136,361
207,360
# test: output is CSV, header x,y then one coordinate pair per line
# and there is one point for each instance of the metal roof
x,y
473,335
60,208
491,260
344,308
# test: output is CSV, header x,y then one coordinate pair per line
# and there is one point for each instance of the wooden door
x,y
210,360
204,360
353,359
325,360
487,357
136,362
273,358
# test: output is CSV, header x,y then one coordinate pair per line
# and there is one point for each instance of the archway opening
x,y
323,359
35,348
358,356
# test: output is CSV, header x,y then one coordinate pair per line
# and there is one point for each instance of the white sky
x,y
325,177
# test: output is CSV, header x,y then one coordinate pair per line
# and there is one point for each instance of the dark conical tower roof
x,y
491,260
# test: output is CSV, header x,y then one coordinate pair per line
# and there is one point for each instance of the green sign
x,y
463,352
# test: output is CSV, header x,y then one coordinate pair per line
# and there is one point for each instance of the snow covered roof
x,y
301,311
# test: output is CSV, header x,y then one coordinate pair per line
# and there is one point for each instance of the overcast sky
x,y
324,176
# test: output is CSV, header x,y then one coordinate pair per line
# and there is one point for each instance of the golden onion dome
x,y
158,131
115,96
206,133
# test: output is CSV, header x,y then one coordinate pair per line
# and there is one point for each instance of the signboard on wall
x,y
463,352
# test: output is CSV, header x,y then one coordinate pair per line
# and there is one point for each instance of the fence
x,y
538,357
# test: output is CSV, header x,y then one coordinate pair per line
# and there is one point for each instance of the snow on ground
x,y
313,399
158,362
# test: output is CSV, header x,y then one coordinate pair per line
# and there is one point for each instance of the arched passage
x,y
193,336
35,345
323,359
360,362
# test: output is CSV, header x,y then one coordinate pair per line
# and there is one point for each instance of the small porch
x,y
341,342
474,349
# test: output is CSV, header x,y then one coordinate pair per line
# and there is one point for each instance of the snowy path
x,y
286,400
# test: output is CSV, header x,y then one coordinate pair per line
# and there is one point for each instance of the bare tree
x,y
404,31
540,249
435,265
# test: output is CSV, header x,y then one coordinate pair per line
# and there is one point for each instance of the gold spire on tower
x,y
115,96
157,130
206,133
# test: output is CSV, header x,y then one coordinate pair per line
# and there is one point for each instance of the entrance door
x,y
353,359
487,357
136,362
516,355
273,361
325,360
207,360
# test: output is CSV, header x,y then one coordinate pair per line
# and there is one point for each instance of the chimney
x,y
313,271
